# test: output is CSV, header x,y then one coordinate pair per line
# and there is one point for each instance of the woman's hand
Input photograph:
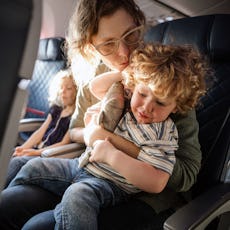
x,y
91,112
92,131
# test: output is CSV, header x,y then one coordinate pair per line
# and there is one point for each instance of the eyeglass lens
x,y
131,38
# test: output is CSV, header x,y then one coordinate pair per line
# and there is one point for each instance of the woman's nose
x,y
123,49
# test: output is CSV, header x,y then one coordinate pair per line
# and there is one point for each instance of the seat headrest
x,y
51,49
209,33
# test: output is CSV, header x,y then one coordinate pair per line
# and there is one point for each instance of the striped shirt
x,y
157,143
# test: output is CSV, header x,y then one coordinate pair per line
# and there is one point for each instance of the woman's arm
x,y
100,84
188,156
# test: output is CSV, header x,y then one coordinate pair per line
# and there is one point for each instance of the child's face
x,y
147,108
67,92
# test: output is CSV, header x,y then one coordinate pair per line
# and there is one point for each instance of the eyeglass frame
x,y
117,41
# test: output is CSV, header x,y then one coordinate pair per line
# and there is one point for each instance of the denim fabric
x,y
52,174
84,194
15,165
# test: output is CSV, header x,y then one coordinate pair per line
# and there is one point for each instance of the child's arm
x,y
35,138
101,84
37,152
92,133
65,140
141,174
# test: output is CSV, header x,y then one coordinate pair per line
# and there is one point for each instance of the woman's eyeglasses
x,y
131,38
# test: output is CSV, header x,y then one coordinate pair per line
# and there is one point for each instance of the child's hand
x,y
18,150
102,151
27,152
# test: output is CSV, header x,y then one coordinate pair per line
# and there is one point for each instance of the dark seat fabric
x,y
10,66
208,34
20,22
49,61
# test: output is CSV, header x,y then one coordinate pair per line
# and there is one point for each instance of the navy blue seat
x,y
211,193
49,61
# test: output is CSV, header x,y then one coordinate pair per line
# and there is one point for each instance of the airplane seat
x,y
50,60
209,35
20,23
211,193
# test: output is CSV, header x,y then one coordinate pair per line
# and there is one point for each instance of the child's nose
x,y
149,106
63,91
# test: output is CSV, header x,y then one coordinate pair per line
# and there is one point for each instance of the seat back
x,y
210,35
20,23
50,60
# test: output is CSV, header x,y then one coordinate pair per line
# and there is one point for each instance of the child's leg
x,y
52,174
15,165
82,201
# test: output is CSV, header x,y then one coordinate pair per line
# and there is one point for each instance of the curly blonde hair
x,y
55,84
170,71
85,20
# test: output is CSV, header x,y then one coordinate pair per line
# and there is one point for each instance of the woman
x,y
109,30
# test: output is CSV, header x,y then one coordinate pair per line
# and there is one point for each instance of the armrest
x,y
30,124
198,213
65,151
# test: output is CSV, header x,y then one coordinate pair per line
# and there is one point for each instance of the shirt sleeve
x,y
84,100
188,155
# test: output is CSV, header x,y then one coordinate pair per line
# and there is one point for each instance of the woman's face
x,y
111,28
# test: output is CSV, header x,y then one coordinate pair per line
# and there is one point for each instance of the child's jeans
x,y
84,194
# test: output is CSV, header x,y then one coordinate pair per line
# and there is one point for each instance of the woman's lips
x,y
124,65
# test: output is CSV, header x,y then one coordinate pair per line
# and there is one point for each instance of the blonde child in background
x,y
53,131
